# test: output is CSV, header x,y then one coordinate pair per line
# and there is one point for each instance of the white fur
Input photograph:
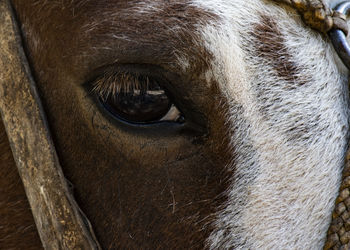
x,y
288,163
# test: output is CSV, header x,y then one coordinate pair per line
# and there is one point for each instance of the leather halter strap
x,y
338,36
60,222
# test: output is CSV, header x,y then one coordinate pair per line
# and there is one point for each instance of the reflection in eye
x,y
135,99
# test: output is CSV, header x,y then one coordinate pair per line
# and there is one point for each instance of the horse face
x,y
254,162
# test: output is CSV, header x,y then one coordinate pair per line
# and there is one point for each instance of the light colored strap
x,y
60,223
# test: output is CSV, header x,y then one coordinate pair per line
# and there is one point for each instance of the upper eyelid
x,y
112,83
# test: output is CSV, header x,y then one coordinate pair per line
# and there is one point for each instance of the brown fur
x,y
17,228
151,189
270,45
271,49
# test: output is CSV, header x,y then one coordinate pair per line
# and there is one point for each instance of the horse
x,y
186,124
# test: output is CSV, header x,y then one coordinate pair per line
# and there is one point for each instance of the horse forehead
x,y
167,32
170,28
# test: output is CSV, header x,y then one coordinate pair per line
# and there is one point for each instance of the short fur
x,y
274,98
293,120
17,227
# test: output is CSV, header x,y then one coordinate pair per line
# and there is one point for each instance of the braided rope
x,y
317,15
338,236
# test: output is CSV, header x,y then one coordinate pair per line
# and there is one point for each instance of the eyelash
x,y
110,84
135,98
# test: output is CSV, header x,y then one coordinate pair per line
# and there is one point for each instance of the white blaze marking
x,y
283,190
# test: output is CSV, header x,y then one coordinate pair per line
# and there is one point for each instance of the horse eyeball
x,y
144,102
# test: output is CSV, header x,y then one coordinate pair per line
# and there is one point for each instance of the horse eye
x,y
139,100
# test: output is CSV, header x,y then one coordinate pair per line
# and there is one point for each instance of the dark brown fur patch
x,y
270,45
17,228
272,51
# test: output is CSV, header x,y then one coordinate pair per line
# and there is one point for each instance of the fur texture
x,y
290,133
17,228
283,91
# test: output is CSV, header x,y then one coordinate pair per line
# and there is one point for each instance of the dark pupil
x,y
140,104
